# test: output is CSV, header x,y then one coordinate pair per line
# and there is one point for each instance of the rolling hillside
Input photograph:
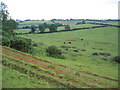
x,y
58,74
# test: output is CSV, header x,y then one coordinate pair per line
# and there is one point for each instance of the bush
x,y
105,54
35,44
77,73
52,66
18,43
95,53
53,51
21,44
117,59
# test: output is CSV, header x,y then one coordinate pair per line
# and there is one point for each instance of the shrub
x,y
77,73
35,44
53,51
83,50
95,53
21,44
52,66
105,54
117,59
18,43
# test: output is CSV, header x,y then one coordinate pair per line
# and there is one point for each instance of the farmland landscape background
x,y
59,53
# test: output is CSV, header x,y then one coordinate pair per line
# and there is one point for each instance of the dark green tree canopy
x,y
41,27
33,29
52,28
7,23
67,27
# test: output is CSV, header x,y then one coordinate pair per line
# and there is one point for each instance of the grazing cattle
x,y
69,42
75,50
66,49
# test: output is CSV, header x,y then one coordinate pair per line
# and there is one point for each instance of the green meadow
x,y
85,52
101,40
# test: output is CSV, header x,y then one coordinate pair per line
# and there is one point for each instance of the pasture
x,y
100,40
87,59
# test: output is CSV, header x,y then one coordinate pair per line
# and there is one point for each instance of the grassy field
x,y
101,40
34,22
113,23
67,22
22,30
29,23
48,73
80,67
20,80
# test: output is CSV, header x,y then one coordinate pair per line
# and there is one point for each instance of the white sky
x,y
62,9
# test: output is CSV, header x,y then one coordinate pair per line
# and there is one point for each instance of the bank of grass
x,y
20,80
70,76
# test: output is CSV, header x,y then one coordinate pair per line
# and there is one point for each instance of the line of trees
x,y
52,27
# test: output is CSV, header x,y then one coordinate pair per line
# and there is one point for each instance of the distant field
x,y
34,22
29,23
68,22
113,23
22,30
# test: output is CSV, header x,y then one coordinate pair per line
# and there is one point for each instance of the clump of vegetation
x,y
67,27
52,28
105,54
117,59
35,44
52,66
83,50
95,53
18,43
33,29
41,27
53,51
77,73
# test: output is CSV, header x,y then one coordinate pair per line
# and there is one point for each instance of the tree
x,y
3,12
52,28
45,25
83,22
8,24
67,27
41,27
33,29
8,35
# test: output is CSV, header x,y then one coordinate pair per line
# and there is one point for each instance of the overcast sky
x,y
62,9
